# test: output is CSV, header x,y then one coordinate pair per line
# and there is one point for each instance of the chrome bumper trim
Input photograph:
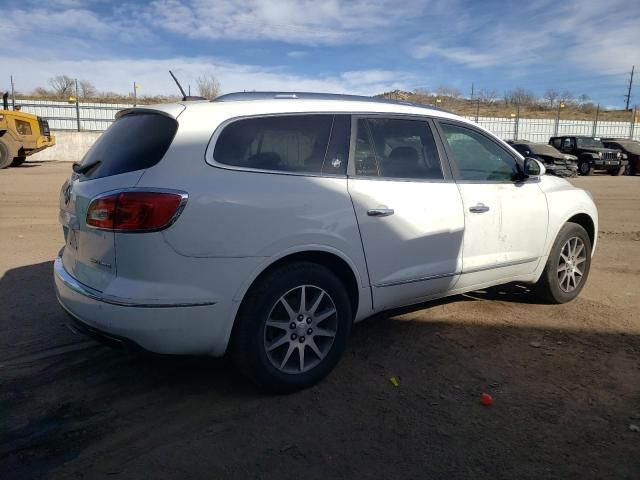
x,y
61,273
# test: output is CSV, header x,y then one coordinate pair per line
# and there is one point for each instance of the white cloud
x,y
308,22
118,74
588,35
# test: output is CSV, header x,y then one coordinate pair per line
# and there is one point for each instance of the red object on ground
x,y
486,399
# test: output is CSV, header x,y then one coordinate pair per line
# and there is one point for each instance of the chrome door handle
x,y
380,212
479,208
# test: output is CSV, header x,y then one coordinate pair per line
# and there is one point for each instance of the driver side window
x,y
478,158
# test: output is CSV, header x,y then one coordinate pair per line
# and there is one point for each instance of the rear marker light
x,y
135,211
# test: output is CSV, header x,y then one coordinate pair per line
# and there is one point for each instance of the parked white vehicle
x,y
265,224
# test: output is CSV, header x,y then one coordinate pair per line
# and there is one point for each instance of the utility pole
x,y
77,106
628,95
135,94
595,122
13,94
471,90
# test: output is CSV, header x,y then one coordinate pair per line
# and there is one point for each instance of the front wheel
x,y
293,327
585,167
617,172
6,154
568,265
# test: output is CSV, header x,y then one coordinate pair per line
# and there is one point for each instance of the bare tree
x,y
487,96
87,89
208,86
583,99
41,92
63,85
551,95
520,96
448,92
566,97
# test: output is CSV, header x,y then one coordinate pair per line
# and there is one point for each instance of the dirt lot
x,y
565,379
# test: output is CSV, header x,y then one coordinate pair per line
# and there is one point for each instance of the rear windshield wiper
x,y
82,169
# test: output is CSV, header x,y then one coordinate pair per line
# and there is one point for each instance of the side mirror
x,y
533,167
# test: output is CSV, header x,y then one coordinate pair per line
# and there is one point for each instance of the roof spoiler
x,y
171,110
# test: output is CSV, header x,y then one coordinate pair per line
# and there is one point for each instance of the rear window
x,y
134,142
289,143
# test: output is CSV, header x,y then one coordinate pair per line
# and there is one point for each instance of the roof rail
x,y
246,96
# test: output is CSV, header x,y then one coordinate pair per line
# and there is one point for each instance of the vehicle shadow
x,y
31,164
563,402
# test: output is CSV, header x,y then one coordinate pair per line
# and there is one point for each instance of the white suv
x,y
265,224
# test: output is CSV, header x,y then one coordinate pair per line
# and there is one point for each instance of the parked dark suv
x,y
592,154
555,162
631,148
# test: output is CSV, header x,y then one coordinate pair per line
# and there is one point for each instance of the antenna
x,y
184,95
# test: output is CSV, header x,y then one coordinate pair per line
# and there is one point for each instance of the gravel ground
x,y
565,379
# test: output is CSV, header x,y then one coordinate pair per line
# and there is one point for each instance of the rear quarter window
x,y
134,142
287,143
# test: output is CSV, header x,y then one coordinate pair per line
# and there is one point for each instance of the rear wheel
x,y
568,265
293,327
17,161
585,167
6,154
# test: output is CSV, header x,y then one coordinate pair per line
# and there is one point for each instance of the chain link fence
x,y
540,129
97,117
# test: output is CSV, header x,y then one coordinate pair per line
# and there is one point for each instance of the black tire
x,y
548,286
17,161
248,343
631,170
6,154
585,167
618,172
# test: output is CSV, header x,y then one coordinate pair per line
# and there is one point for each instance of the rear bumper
x,y
169,329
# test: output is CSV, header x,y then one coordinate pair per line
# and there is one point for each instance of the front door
x,y
410,216
505,220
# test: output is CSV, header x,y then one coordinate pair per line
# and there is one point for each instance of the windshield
x,y
631,147
589,143
133,142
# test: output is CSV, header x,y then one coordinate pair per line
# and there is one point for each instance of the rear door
x,y
408,209
135,142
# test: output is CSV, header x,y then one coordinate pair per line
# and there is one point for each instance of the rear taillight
x,y
135,211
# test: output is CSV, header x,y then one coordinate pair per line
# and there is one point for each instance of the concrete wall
x,y
70,146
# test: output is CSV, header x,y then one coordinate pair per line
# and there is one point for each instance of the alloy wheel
x,y
570,264
300,329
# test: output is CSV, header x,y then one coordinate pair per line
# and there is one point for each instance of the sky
x,y
358,46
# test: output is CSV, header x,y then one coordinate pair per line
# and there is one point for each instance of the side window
x,y
288,143
23,128
567,144
557,143
477,157
396,148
